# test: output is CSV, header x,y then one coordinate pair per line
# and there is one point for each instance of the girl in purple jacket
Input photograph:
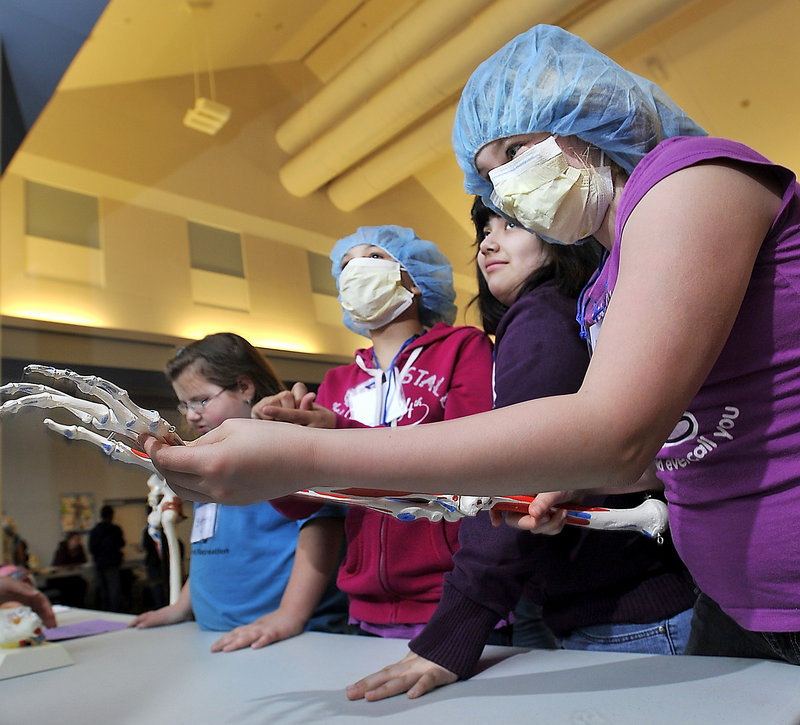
x,y
612,591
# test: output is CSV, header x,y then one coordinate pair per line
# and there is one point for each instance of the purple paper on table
x,y
82,629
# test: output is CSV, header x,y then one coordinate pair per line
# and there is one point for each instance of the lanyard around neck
x,y
389,383
397,354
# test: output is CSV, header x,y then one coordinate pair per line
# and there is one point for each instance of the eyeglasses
x,y
196,406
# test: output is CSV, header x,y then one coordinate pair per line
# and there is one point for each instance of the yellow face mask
x,y
372,292
547,196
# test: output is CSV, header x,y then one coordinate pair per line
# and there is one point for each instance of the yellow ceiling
x,y
341,108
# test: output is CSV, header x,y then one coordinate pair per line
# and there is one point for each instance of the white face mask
x,y
372,292
547,196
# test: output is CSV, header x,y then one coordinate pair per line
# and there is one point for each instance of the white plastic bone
x,y
163,515
20,627
115,449
649,518
42,396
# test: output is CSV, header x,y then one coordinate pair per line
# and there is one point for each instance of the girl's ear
x,y
246,387
408,283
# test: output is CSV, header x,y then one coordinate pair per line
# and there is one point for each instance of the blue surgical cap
x,y
427,266
548,80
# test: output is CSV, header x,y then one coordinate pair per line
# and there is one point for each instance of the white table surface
x,y
168,675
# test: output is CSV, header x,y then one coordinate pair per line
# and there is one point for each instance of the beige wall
x,y
135,316
147,286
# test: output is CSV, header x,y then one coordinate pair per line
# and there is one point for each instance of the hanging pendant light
x,y
207,115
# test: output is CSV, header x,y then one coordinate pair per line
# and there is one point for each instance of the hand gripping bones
x,y
118,414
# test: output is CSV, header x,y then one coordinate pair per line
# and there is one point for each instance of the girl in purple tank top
x,y
692,324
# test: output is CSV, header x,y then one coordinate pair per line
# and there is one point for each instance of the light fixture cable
x,y
207,115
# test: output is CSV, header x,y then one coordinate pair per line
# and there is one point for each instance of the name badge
x,y
367,401
364,402
204,525
594,332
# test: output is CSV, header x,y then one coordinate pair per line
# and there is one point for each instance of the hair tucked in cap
x,y
428,267
548,80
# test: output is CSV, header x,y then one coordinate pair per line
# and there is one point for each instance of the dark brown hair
x,y
223,358
571,267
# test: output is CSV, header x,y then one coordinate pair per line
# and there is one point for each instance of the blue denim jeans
x,y
665,637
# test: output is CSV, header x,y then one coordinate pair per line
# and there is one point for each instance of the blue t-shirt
x,y
239,572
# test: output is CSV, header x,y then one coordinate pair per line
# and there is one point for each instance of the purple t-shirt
x,y
732,465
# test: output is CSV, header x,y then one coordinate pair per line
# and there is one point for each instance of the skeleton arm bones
x,y
165,514
120,415
116,411
648,518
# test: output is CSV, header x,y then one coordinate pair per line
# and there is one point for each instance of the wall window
x,y
62,235
324,293
322,281
61,215
215,250
217,274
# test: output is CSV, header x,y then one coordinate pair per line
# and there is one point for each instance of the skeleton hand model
x,y
115,413
119,415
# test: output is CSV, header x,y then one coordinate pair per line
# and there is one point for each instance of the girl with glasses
x,y
255,574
